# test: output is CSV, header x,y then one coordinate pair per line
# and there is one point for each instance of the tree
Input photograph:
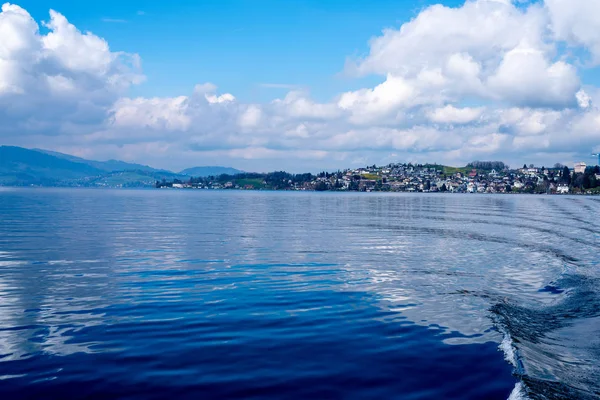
x,y
577,180
321,186
586,181
566,175
487,165
524,166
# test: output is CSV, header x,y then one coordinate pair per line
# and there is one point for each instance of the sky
x,y
303,85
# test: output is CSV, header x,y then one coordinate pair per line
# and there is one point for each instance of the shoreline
x,y
190,189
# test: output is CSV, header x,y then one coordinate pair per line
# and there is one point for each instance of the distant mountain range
x,y
210,171
27,167
109,166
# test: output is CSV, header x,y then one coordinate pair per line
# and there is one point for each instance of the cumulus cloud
x,y
525,77
53,82
368,105
576,22
583,99
486,79
165,114
453,115
487,49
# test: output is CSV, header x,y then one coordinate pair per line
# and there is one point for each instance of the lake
x,y
143,294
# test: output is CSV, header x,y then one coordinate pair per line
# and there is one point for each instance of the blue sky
x,y
239,44
303,84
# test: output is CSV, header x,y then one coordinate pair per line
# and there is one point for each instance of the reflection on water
x,y
242,294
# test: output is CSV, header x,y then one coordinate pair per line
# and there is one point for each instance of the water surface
x,y
210,294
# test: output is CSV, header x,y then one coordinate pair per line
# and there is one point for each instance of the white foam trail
x,y
509,351
518,392
510,355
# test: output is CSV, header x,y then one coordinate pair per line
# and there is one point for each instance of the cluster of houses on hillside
x,y
418,178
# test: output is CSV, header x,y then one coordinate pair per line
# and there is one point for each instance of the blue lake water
x,y
225,294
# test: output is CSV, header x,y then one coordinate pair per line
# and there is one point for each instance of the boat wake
x,y
555,349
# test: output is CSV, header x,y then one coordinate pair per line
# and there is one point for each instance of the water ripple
x,y
149,294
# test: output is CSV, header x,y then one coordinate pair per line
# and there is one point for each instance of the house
x,y
562,189
366,185
580,167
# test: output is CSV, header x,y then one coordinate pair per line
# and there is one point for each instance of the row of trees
x,y
275,180
585,180
488,165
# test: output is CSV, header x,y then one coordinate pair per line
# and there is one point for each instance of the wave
x,y
539,343
518,392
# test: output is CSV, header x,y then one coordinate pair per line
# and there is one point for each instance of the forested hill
x,y
29,167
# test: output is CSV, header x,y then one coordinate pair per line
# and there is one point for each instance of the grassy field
x,y
454,170
256,182
371,177
435,166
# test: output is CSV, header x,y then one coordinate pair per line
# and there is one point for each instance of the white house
x,y
562,189
580,167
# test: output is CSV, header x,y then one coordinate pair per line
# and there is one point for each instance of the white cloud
x,y
86,53
297,105
576,22
50,83
453,115
481,29
367,105
164,114
251,117
526,78
224,98
487,49
583,99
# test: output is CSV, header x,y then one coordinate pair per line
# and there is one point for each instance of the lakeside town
x,y
476,177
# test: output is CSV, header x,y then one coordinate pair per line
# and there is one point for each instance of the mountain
x,y
25,167
19,166
210,171
109,166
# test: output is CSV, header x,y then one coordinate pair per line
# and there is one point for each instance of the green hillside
x,y
109,166
19,166
25,167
